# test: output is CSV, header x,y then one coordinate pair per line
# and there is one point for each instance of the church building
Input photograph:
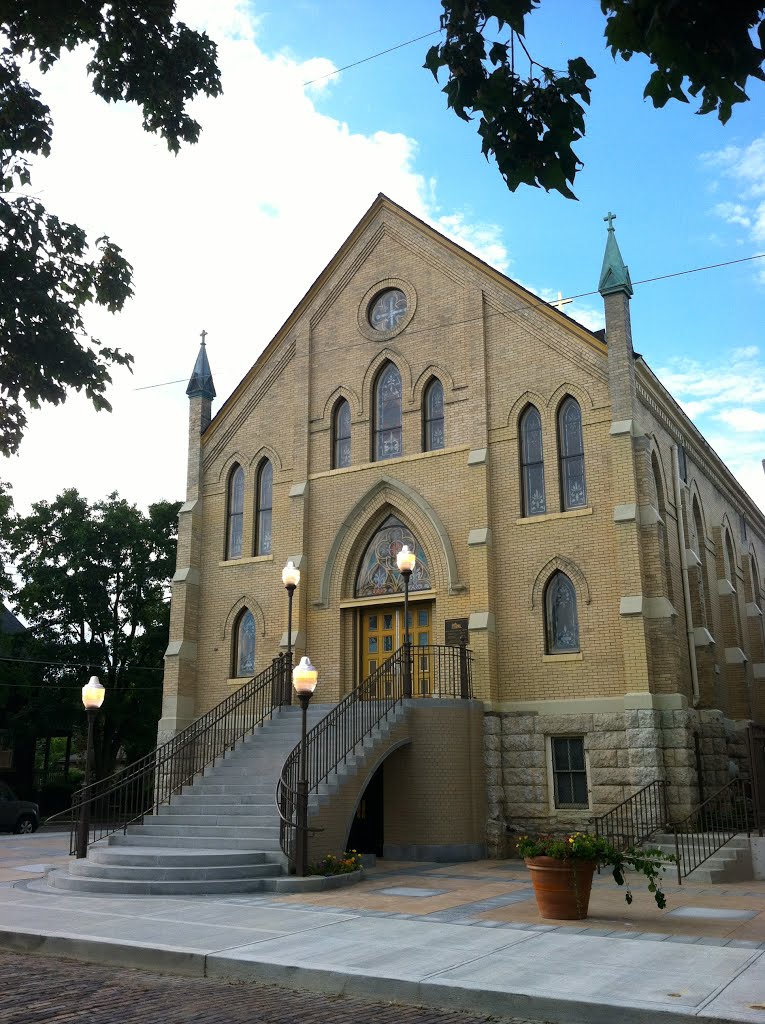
x,y
586,609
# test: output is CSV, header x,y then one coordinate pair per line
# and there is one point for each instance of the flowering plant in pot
x,y
562,868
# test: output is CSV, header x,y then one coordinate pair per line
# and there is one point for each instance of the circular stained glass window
x,y
387,310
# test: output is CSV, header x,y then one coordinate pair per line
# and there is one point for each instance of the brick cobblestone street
x,y
43,990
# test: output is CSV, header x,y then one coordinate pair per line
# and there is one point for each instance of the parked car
x,y
17,815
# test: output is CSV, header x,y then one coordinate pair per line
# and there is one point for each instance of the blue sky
x,y
228,236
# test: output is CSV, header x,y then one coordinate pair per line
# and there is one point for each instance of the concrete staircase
x,y
731,863
220,835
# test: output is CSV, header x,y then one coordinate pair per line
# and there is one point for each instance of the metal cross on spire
x,y
610,217
203,335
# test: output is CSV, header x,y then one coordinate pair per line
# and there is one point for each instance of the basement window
x,y
569,771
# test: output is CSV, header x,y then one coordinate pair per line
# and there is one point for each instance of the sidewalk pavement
x,y
458,936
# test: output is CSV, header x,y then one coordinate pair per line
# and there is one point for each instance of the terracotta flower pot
x,y
562,887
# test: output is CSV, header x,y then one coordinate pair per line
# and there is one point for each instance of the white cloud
x,y
743,170
226,236
726,401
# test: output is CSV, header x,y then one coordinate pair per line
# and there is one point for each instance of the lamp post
x,y
290,579
406,561
304,679
92,698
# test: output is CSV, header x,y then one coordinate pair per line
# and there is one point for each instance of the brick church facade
x,y
570,522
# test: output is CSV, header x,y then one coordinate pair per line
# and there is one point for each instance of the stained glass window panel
x,y
388,440
422,618
561,619
378,573
532,464
434,416
265,499
342,436
245,645
235,513
387,643
571,455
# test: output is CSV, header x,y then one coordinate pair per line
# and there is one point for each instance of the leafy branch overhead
x,y
530,116
49,270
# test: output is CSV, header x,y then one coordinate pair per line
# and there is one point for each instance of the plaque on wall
x,y
456,631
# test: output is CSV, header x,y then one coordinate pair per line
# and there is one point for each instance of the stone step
x,y
186,842
180,830
162,857
124,872
129,887
203,799
214,816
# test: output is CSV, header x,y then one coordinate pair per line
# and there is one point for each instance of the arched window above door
x,y
378,573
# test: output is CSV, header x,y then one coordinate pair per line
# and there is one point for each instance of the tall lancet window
x,y
532,464
244,644
341,435
263,511
561,621
571,447
433,426
235,513
388,440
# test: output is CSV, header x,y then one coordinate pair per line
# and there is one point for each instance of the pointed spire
x,y
201,382
614,275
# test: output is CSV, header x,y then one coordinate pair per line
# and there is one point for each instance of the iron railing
x,y
711,825
139,789
433,671
635,819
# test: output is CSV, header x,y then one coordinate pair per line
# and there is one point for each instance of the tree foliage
x,y
49,271
530,116
94,588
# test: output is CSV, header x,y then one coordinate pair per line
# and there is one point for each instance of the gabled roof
x,y
383,203
8,622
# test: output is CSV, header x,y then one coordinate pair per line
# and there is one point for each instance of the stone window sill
x,y
247,561
554,658
572,513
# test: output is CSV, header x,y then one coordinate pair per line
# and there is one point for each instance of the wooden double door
x,y
382,633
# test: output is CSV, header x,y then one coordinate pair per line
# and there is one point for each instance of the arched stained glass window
x,y
235,513
244,644
388,440
562,624
434,417
263,511
341,435
532,464
378,573
571,447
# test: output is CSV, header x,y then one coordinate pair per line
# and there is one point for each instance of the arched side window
x,y
244,644
341,435
388,442
699,548
561,621
571,449
729,558
532,464
263,510
235,513
433,423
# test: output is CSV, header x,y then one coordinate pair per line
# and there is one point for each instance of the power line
x,y
538,304
364,60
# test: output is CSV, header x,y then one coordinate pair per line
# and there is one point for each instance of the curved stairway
x,y
220,835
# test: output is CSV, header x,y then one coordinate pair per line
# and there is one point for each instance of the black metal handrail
x,y
127,796
635,819
727,813
435,670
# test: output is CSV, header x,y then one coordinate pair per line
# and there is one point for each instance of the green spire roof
x,y
614,275
201,382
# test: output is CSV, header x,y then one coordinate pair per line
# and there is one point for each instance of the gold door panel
x,y
382,633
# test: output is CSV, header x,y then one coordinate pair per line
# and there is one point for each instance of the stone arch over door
x,y
387,497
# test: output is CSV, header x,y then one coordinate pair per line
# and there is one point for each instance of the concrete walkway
x,y
458,936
